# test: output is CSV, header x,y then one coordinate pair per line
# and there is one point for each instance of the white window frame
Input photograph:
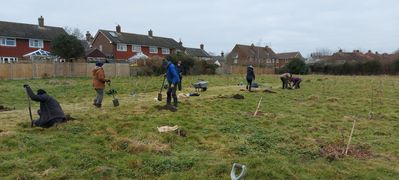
x,y
152,48
136,48
121,47
36,43
4,40
165,51
9,60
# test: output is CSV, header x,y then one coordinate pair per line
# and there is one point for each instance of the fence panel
x,y
41,70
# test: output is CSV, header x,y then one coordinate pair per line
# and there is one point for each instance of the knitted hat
x,y
99,64
41,91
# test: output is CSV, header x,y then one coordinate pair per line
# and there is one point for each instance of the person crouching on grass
x,y
172,76
99,83
295,82
50,111
285,79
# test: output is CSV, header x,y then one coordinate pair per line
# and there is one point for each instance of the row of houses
x,y
17,40
341,57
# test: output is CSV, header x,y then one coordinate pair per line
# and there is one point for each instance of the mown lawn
x,y
287,140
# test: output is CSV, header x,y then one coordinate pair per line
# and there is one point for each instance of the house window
x,y
100,48
165,51
136,48
121,47
235,59
35,43
268,61
154,50
8,60
8,42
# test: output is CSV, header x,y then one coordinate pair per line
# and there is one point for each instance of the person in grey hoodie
x,y
50,111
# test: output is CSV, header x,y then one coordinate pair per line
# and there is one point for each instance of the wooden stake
x,y
257,109
350,137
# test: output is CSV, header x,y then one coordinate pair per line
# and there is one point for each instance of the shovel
x,y
160,91
114,101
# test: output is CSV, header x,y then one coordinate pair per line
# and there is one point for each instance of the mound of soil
x,y
337,151
238,96
3,108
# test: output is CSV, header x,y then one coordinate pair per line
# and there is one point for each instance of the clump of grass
x,y
332,99
314,98
136,146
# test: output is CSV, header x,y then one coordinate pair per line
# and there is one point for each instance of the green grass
x,y
283,142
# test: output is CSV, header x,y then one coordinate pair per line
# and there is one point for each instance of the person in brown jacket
x,y
99,83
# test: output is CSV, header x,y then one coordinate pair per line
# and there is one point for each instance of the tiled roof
x,y
137,39
256,51
26,31
196,52
289,55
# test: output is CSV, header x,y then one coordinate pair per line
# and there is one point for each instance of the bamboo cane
x,y
257,108
350,137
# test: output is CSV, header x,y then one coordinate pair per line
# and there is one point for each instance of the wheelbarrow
x,y
201,85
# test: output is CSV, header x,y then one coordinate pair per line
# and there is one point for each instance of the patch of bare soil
x,y
4,108
61,82
166,107
337,151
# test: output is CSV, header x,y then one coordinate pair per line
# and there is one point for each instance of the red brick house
x,y
252,55
18,39
122,46
284,58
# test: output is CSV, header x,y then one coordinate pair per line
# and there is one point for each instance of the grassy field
x,y
296,135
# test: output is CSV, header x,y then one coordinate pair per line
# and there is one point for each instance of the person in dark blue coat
x,y
180,71
250,77
172,76
50,111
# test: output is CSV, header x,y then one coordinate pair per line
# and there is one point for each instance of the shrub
x,y
295,66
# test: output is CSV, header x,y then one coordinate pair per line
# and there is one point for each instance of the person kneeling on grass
x,y
50,111
173,79
295,82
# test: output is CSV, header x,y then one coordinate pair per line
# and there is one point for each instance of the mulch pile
x,y
337,151
3,108
238,96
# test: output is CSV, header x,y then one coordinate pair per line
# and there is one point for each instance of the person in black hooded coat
x,y
250,77
50,111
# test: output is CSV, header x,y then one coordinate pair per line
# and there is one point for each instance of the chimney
x,y
340,51
376,52
222,54
41,21
181,43
88,36
118,28
150,33
202,46
370,51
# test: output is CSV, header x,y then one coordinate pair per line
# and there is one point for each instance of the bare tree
x,y
321,52
74,32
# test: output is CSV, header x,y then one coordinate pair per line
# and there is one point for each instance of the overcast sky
x,y
285,25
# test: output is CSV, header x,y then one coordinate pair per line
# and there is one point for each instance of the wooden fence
x,y
41,70
234,69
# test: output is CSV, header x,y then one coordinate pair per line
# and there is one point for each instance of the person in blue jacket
x,y
172,76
